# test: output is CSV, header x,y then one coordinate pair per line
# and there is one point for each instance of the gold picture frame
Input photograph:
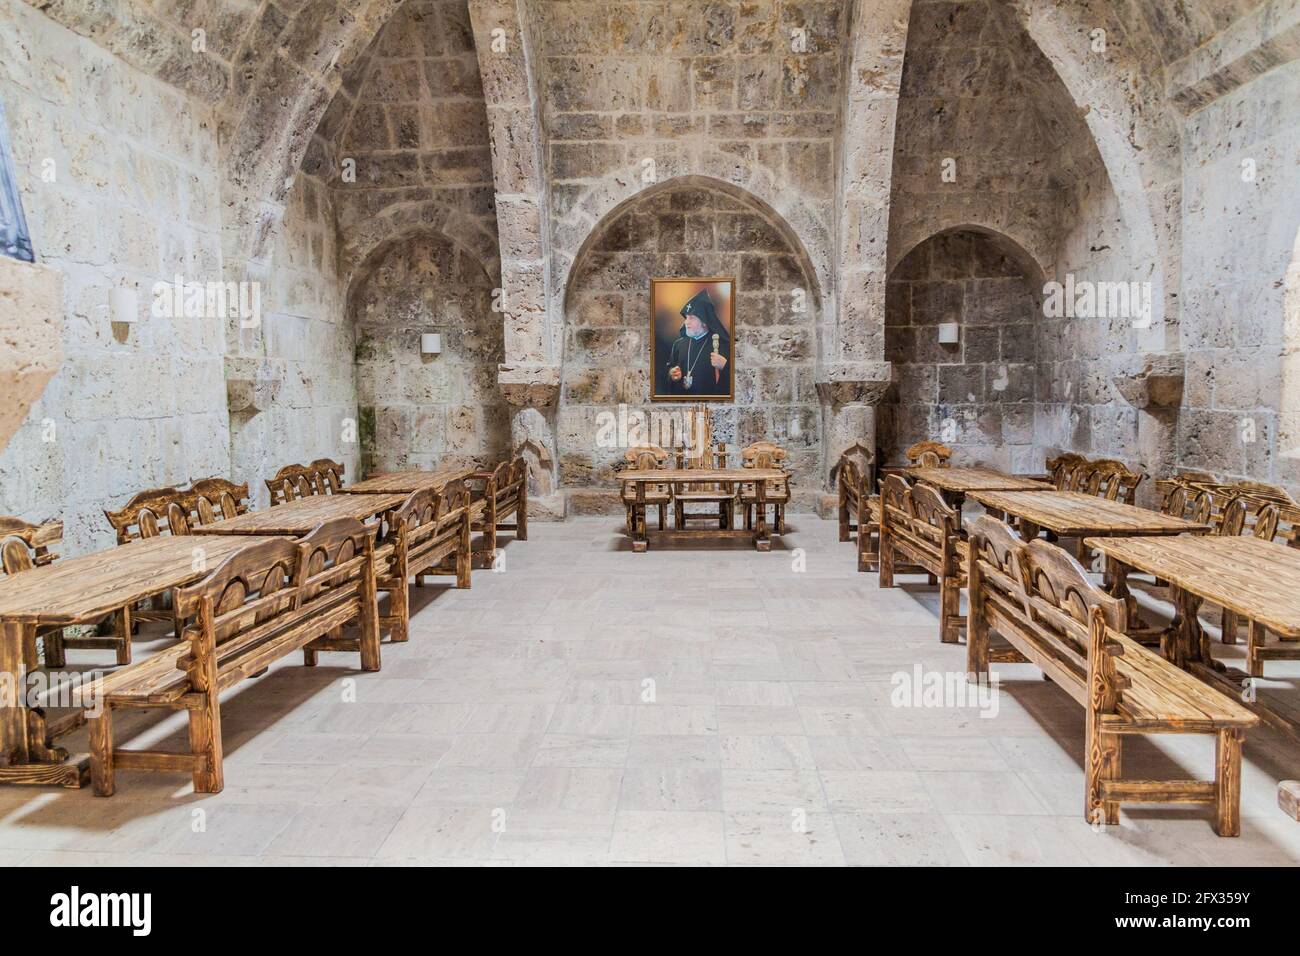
x,y
681,365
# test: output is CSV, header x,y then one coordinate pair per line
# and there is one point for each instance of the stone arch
x,y
402,220
287,73
1037,263
418,410
1136,134
613,195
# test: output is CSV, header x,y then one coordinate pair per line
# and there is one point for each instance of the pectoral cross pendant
x,y
689,378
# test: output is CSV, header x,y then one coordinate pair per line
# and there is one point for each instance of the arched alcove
x,y
689,227
420,410
976,394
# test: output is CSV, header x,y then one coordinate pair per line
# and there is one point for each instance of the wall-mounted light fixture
x,y
430,343
123,311
949,333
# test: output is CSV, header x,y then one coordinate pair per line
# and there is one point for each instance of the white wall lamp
x,y
430,343
949,333
123,310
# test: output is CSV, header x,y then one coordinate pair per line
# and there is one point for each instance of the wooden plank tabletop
x,y
1073,514
405,482
89,586
701,474
976,479
303,514
1260,580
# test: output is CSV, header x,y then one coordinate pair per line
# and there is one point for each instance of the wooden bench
x,y
859,513
429,533
505,493
919,531
263,603
322,477
1039,600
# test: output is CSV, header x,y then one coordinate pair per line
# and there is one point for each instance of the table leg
x,y
25,756
1028,530
762,540
1115,581
640,540
1186,641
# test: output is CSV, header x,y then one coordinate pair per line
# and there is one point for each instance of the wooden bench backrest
x,y
993,565
24,546
293,482
329,475
1061,468
928,454
1058,595
919,522
145,515
216,499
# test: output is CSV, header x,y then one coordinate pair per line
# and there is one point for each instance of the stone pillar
x,y
849,395
532,392
31,321
1152,382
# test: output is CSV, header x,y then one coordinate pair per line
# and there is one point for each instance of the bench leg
x,y
1103,756
661,517
1254,641
844,516
101,753
1227,783
521,515
949,610
122,631
886,561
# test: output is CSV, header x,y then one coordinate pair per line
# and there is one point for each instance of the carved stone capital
x,y
853,383
1150,380
529,386
252,384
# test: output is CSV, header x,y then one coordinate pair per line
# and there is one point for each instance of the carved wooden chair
x,y
919,531
660,494
704,455
764,454
1061,469
149,514
263,603
859,513
928,454
24,546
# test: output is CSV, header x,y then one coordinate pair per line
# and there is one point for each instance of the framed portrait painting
x,y
692,339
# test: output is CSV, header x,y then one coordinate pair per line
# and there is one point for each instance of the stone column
x,y
532,392
849,395
1152,382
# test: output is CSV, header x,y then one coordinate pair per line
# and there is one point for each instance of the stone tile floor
x,y
698,704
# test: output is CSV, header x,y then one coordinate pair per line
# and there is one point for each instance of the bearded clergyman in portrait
x,y
694,360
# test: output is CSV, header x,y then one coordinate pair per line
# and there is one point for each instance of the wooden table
x,y
1259,580
80,590
405,482
956,483
726,476
300,516
1072,514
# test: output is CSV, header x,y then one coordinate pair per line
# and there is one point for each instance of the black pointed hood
x,y
701,306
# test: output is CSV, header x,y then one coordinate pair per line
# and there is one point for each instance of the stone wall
x,y
977,395
421,410
118,180
682,232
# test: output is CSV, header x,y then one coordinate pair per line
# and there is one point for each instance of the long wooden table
x,y
956,483
1259,580
81,590
300,516
405,482
724,476
1071,514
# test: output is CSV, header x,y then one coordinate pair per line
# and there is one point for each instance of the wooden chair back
x,y
701,453
928,454
1061,468
24,546
762,454
645,457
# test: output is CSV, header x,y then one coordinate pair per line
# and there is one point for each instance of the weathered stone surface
x,y
31,314
1151,381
